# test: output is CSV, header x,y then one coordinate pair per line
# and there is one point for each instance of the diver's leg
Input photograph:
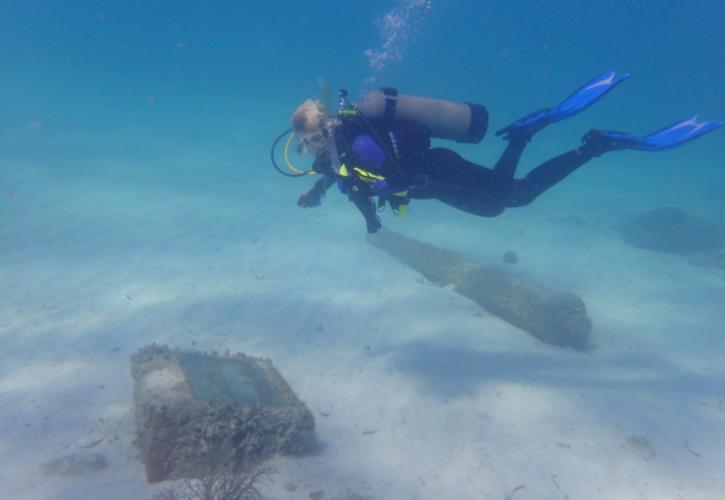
x,y
506,164
596,143
464,185
519,133
548,174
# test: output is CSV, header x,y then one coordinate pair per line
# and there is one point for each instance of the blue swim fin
x,y
585,96
668,137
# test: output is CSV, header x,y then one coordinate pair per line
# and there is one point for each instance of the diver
x,y
380,147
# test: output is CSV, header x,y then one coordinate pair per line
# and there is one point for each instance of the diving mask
x,y
313,142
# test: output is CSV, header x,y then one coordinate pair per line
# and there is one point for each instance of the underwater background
x,y
138,204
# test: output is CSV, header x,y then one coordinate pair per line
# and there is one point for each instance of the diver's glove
x,y
313,197
367,209
308,200
373,224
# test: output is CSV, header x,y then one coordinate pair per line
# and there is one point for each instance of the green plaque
x,y
228,380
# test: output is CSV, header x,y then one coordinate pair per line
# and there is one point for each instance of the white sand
x,y
424,396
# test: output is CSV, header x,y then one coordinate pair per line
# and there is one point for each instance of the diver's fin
x,y
582,98
668,137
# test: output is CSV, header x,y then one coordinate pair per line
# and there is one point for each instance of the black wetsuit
x,y
412,166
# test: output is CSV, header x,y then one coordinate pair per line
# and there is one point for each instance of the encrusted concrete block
x,y
196,411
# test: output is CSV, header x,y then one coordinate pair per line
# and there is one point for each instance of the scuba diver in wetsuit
x,y
380,147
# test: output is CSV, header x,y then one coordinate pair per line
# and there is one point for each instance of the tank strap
x,y
391,102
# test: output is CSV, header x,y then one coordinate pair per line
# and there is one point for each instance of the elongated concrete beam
x,y
553,317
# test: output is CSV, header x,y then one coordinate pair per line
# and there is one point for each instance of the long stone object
x,y
198,412
554,317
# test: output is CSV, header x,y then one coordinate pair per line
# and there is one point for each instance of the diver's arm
x,y
367,208
313,197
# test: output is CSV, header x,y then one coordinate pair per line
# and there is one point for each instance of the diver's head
x,y
311,125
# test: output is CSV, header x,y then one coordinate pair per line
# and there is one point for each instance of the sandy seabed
x,y
417,392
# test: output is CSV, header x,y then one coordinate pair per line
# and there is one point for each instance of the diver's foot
x,y
586,95
523,130
597,142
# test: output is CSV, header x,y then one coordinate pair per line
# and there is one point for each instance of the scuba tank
x,y
462,122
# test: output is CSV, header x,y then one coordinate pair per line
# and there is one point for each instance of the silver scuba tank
x,y
462,122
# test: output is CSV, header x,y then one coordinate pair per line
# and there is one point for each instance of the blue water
x,y
138,204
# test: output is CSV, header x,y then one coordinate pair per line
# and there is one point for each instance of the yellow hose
x,y
290,165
